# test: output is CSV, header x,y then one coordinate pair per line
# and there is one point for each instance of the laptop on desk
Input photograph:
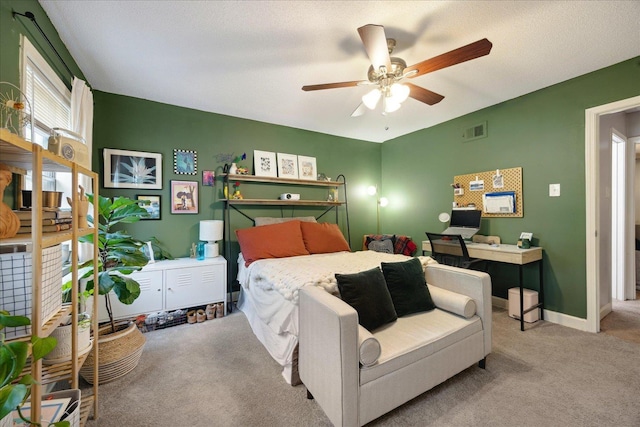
x,y
464,222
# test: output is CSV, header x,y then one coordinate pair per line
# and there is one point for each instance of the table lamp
x,y
211,231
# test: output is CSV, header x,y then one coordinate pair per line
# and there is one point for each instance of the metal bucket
x,y
50,199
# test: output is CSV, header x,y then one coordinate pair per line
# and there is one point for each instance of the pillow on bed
x,y
367,293
266,220
322,238
271,241
384,246
407,286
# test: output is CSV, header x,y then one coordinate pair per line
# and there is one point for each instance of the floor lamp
x,y
380,202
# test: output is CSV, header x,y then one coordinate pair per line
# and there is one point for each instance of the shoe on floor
x,y
220,309
210,311
191,316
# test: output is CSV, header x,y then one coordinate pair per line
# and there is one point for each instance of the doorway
x,y
595,256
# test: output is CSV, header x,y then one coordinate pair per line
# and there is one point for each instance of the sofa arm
x,y
328,359
474,284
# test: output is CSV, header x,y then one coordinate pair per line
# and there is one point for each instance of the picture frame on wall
x,y
184,197
208,178
185,162
287,165
151,203
132,169
264,163
307,168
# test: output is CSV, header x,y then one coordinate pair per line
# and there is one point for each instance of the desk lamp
x,y
211,231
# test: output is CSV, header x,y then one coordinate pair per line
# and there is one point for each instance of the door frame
x,y
592,200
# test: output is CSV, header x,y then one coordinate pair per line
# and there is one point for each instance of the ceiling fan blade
x,y
375,43
423,95
359,111
465,53
331,85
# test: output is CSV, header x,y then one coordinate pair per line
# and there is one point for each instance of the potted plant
x,y
119,255
14,391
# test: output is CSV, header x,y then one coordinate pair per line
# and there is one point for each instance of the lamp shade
x,y
211,230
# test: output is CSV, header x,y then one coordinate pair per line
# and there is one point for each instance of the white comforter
x,y
288,275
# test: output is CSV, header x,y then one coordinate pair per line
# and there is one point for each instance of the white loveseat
x,y
357,376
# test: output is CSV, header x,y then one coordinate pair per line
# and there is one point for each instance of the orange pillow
x,y
271,241
322,238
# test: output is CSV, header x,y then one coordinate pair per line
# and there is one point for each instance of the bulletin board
x,y
511,181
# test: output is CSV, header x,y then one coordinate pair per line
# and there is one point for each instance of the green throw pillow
x,y
407,286
367,293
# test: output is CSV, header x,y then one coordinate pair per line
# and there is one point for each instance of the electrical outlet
x,y
554,190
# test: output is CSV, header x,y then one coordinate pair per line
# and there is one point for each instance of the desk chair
x,y
450,249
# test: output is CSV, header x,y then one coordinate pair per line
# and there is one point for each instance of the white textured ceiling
x,y
250,59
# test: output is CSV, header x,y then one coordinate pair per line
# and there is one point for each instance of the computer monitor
x,y
465,218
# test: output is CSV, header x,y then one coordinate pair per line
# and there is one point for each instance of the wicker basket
x,y
119,354
62,350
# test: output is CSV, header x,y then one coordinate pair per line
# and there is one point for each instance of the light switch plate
x,y
554,190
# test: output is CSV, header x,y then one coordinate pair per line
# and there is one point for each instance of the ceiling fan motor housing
x,y
397,68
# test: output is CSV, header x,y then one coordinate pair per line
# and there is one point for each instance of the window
x,y
51,101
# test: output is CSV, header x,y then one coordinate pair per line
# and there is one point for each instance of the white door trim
x,y
592,198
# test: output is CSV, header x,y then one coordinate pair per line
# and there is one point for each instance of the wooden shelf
x,y
274,180
278,202
86,407
22,156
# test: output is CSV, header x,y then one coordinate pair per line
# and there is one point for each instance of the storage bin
x,y
71,413
15,286
530,298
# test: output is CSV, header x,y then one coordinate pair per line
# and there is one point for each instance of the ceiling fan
x,y
386,72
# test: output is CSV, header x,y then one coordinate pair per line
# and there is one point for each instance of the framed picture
x,y
307,168
287,165
132,169
264,163
185,162
151,204
184,197
208,178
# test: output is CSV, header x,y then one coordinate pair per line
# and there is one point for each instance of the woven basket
x,y
6,421
62,350
119,354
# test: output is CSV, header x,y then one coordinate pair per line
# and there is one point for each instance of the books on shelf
x,y
47,221
46,214
46,228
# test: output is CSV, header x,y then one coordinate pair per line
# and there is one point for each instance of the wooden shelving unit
x,y
22,156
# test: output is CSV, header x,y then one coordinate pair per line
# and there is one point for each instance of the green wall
x,y
10,30
135,124
542,132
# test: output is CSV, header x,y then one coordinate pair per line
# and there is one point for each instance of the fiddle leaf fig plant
x,y
119,254
15,390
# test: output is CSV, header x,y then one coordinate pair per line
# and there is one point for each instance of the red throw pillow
x,y
322,238
271,241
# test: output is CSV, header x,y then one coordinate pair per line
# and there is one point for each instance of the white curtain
x,y
82,124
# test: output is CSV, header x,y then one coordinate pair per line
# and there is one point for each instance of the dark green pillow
x,y
407,286
367,293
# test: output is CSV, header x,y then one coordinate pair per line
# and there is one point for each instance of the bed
x,y
276,261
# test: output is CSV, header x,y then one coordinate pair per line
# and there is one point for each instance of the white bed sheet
x,y
270,302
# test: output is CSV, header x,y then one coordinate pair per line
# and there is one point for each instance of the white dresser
x,y
169,285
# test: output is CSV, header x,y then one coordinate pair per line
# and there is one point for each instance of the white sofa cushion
x,y
417,336
368,347
452,302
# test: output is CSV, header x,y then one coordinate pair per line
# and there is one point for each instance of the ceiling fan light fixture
x,y
390,105
399,92
370,100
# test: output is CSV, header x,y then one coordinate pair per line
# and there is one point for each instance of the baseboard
x,y
549,316
606,309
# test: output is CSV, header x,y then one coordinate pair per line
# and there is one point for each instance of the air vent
x,y
475,132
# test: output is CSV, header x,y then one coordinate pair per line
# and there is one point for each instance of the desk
x,y
509,254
